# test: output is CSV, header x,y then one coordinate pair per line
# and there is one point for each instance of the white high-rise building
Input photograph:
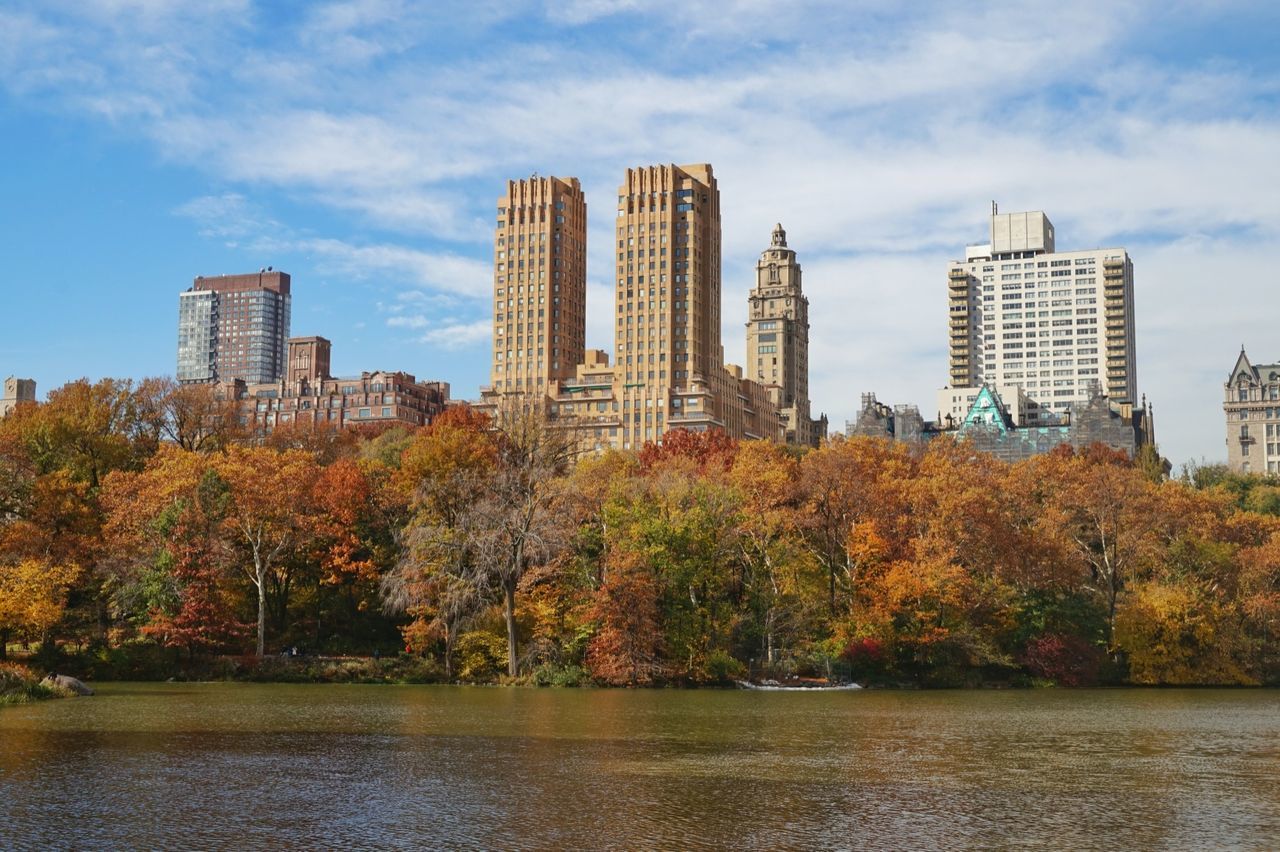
x,y
1053,323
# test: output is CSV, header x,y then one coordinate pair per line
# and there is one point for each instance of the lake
x,y
235,766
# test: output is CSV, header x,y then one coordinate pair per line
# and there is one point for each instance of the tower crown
x,y
779,236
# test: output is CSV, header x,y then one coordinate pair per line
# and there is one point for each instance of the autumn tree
x,y
626,649
780,568
853,488
195,417
514,524
171,551
441,473
33,595
268,502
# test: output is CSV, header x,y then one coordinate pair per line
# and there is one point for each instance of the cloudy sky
x,y
361,146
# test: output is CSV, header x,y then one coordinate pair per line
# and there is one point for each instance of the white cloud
x,y
459,335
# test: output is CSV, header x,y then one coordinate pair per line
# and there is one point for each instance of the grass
x,y
20,685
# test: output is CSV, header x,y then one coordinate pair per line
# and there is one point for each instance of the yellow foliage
x,y
1177,635
33,594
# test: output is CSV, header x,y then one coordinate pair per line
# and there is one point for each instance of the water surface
x,y
233,766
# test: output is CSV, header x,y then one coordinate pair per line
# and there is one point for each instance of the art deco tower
x,y
539,284
668,290
778,336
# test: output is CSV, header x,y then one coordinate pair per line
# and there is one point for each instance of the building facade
x,y
778,338
16,392
311,398
1052,322
1251,403
234,327
989,425
668,368
539,284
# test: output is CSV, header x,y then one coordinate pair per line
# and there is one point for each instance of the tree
x,y
267,512
779,567
626,648
442,472
87,429
165,527
514,524
195,417
845,486
1111,513
33,594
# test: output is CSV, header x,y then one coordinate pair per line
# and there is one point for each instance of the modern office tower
x,y
234,327
1252,407
778,337
16,392
539,285
1054,323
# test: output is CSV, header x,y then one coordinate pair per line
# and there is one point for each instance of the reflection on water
x,y
247,766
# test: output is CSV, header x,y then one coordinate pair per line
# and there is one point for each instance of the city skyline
x,y
152,143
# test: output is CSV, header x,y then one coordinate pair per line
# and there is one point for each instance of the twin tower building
x,y
667,369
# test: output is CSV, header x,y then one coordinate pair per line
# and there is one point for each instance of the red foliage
x,y
204,618
462,417
626,649
712,450
1065,660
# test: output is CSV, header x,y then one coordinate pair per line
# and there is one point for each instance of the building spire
x,y
779,236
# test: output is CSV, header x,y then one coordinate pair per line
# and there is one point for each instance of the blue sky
x,y
361,146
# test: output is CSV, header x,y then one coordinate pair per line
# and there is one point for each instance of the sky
x,y
362,145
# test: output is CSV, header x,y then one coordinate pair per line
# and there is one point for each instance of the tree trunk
x,y
509,610
448,653
4,644
262,610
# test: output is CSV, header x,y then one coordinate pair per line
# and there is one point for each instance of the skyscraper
x,y
1053,323
669,369
778,338
234,327
539,284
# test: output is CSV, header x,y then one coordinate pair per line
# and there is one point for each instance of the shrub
x,y
550,674
482,655
1063,659
19,685
720,666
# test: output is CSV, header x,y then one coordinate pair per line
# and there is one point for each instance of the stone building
x,y
308,396
16,391
539,284
990,427
778,339
1251,404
